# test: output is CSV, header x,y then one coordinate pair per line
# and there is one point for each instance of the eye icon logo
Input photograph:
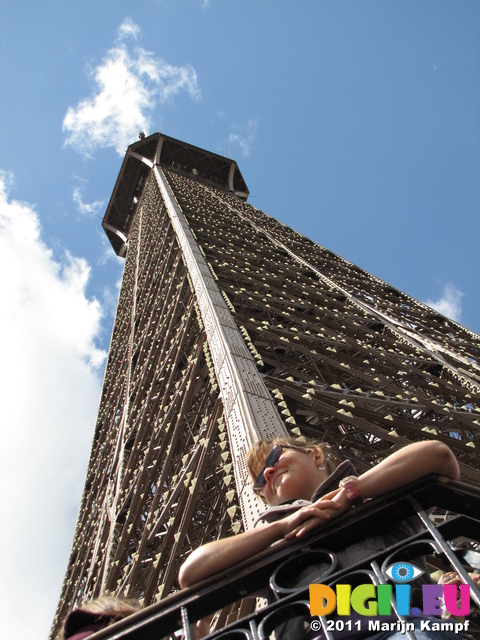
x,y
403,572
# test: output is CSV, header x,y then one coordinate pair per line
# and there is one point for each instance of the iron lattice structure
x,y
230,327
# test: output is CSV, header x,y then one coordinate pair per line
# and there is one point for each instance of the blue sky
x,y
356,122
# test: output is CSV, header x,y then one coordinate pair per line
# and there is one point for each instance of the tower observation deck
x,y
232,327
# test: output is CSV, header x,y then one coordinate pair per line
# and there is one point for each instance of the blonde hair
x,y
107,606
257,455
112,606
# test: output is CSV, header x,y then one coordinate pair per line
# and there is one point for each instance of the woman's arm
x,y
407,465
216,556
399,469
221,554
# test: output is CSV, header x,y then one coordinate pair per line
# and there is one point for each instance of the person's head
x,y
96,614
286,468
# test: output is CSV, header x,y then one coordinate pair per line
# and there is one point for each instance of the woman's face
x,y
294,476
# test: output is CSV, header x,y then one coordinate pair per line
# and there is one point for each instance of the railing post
x,y
445,548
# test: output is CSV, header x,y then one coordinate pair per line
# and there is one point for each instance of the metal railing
x,y
450,542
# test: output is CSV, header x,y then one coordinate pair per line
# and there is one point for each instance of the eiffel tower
x,y
232,327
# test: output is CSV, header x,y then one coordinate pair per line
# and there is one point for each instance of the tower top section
x,y
159,149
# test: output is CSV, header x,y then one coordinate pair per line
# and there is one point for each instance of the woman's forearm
x,y
221,554
216,556
407,465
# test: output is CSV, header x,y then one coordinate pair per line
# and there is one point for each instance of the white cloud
x,y
129,86
450,303
50,382
128,29
88,209
244,136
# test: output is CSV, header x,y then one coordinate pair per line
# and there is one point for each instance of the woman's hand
x,y
330,495
308,518
202,627
454,578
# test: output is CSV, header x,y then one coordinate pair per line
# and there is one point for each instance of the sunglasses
x,y
272,459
